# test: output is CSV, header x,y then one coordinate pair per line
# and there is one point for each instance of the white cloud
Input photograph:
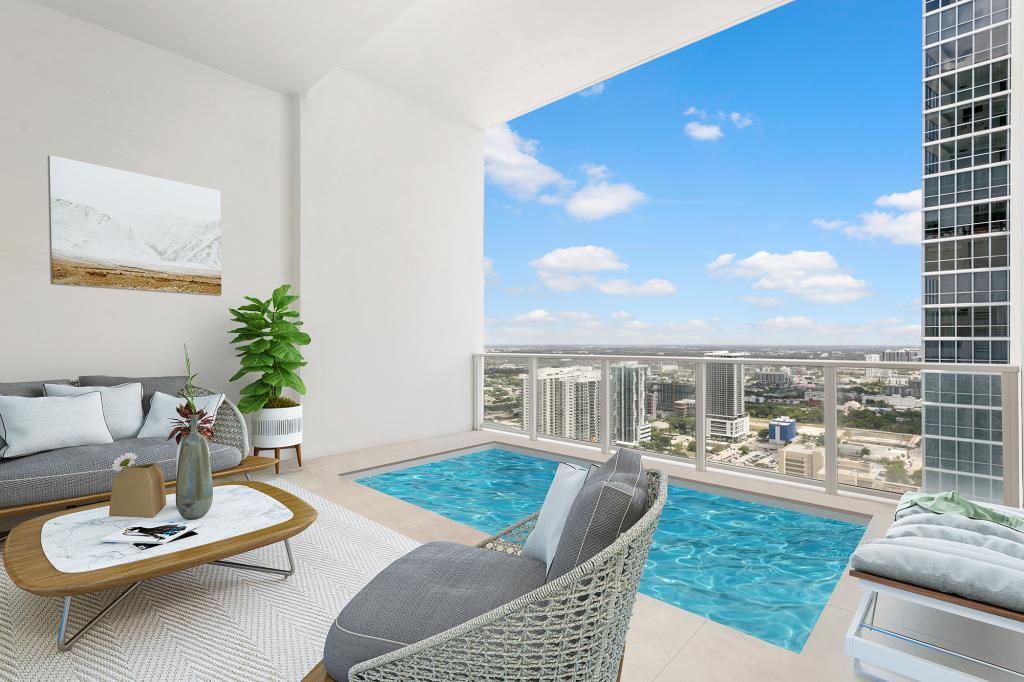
x,y
595,171
620,315
704,132
595,89
721,261
579,259
903,201
625,287
602,200
544,316
571,268
762,301
694,111
489,273
901,225
637,324
812,275
539,315
804,329
511,163
741,121
688,326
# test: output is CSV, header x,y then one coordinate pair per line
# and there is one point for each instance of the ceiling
x,y
484,61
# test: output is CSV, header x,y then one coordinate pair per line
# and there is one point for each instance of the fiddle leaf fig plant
x,y
267,342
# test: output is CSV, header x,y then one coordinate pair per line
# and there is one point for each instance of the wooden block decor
x,y
138,491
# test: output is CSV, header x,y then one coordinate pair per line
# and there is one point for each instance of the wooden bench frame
x,y
881,659
246,466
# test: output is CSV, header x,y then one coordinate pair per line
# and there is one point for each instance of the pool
x,y
759,569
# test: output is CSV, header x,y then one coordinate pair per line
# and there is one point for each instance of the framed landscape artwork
x,y
114,228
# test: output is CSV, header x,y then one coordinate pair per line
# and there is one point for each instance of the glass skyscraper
x,y
966,243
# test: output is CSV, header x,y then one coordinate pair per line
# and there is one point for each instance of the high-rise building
x,y
726,411
774,377
628,404
966,237
567,402
901,355
663,393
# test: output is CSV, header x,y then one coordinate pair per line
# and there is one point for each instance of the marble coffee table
x,y
61,554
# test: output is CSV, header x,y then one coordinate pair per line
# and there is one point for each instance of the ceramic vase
x,y
194,493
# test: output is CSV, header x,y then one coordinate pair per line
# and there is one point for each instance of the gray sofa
x,y
87,470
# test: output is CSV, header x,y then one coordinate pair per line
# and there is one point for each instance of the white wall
x,y
73,90
392,274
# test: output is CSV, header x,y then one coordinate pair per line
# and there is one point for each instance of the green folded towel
x,y
953,503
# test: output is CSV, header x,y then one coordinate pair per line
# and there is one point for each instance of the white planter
x,y
277,428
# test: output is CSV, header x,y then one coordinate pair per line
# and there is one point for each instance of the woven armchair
x,y
570,629
229,426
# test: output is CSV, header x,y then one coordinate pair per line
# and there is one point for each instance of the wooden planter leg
x,y
298,454
277,463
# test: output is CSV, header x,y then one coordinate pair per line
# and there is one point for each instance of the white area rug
x,y
211,622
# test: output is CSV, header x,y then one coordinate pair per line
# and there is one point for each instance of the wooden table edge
x,y
30,570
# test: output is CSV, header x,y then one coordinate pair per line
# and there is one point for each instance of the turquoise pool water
x,y
759,569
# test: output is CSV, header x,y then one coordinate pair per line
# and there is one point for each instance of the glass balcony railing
x,y
845,426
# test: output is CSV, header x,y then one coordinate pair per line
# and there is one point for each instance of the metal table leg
x,y
263,569
63,641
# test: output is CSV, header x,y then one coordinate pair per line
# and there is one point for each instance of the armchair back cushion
x,y
26,389
150,385
31,425
610,502
543,539
122,405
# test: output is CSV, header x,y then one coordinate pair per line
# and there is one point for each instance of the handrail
x,y
1013,477
959,368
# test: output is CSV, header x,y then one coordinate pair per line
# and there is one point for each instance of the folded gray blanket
x,y
971,558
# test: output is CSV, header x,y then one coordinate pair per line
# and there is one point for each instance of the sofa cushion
x,y
32,425
431,589
610,502
88,469
163,412
122,405
150,385
27,389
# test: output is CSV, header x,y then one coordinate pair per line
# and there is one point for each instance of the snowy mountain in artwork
x,y
164,242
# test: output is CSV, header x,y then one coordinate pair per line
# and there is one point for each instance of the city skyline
x,y
694,200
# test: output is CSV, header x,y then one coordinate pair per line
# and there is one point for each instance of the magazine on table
x,y
159,534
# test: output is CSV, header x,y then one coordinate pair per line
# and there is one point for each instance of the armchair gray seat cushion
x,y
431,589
87,469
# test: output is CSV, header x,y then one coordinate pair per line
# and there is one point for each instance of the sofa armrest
x,y
229,427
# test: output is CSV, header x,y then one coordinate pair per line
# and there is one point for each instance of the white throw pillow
x,y
163,410
31,425
122,405
543,539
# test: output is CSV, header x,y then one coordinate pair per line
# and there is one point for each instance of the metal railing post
x,y
1012,494
531,412
478,392
700,425
606,406
831,432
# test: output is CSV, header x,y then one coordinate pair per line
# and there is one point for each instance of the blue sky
x,y
761,186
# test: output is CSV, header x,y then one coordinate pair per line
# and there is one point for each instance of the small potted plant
x,y
267,343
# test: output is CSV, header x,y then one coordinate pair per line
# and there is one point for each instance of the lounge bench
x,y
968,567
83,475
